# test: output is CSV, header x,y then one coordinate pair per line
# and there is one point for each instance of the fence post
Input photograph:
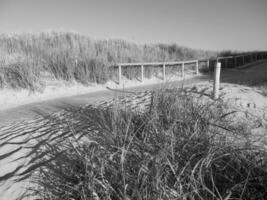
x,y
197,67
164,72
183,69
142,73
226,62
216,83
208,64
119,74
243,57
235,61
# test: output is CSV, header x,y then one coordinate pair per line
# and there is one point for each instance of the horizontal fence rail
x,y
244,58
163,64
158,63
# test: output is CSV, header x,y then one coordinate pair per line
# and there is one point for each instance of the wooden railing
x,y
163,64
245,58
251,57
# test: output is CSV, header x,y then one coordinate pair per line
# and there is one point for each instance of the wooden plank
x,y
197,67
216,82
221,58
156,63
235,61
164,72
183,70
142,73
119,74
188,62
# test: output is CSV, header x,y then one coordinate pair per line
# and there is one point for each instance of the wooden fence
x,y
244,58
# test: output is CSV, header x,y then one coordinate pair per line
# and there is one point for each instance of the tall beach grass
x,y
178,148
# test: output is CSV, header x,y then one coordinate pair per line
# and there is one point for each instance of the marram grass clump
x,y
174,150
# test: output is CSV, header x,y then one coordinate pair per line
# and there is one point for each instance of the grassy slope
x,y
27,59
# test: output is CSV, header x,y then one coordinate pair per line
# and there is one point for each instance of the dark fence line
x,y
209,64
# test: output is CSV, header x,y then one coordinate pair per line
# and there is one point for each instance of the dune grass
x,y
70,56
28,60
178,148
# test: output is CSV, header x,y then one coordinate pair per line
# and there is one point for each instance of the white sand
x,y
10,98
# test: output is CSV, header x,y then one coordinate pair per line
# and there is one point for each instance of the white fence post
x,y
216,83
142,73
164,72
197,67
183,69
119,74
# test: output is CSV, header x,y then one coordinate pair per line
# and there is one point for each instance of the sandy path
x,y
253,74
30,111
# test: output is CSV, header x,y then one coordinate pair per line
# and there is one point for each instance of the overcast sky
x,y
205,24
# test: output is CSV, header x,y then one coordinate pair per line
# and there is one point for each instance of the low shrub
x,y
174,150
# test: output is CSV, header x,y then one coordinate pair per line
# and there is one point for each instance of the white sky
x,y
205,24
